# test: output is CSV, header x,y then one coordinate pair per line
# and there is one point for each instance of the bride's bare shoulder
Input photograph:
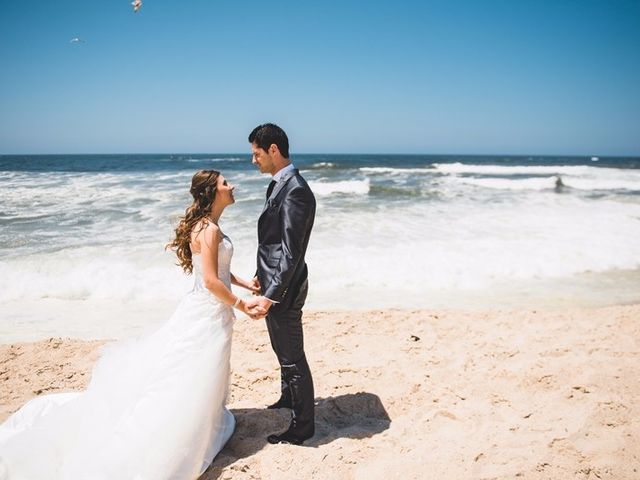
x,y
205,233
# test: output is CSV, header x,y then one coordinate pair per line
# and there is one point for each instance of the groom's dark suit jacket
x,y
284,228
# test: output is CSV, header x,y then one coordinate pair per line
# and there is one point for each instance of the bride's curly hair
x,y
203,190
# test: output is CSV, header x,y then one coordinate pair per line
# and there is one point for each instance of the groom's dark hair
x,y
267,134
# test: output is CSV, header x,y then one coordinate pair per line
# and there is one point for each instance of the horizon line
x,y
569,155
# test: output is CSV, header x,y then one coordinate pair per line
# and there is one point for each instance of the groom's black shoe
x,y
302,425
283,402
294,435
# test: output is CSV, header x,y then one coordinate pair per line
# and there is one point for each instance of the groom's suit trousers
x,y
285,328
285,332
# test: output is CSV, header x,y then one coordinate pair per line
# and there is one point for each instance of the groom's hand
x,y
252,309
264,303
258,307
255,312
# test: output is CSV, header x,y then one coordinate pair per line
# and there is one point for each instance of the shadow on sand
x,y
354,415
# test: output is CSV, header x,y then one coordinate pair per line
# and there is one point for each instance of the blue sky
x,y
511,76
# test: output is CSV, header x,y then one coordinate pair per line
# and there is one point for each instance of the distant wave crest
x,y
350,187
511,184
546,183
395,171
456,168
320,165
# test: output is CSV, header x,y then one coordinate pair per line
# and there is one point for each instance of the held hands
x,y
257,307
253,308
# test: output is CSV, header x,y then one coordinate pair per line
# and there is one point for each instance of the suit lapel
x,y
279,186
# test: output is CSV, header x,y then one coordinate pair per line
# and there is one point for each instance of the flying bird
x,y
136,5
76,40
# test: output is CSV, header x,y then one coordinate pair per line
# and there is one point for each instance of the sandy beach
x,y
416,394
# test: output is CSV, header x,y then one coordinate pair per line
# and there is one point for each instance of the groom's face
x,y
262,159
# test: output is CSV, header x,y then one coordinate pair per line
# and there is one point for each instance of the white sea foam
x,y
92,273
83,241
542,177
471,245
511,184
546,183
389,252
602,184
461,168
352,187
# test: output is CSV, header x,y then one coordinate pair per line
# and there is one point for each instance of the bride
x,y
155,406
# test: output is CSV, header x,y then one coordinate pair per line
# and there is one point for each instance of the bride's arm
x,y
253,285
209,250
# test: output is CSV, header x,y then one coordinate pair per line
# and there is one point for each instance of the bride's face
x,y
224,191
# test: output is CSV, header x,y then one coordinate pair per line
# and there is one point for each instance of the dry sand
x,y
417,394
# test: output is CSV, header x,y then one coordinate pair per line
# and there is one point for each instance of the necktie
x,y
270,188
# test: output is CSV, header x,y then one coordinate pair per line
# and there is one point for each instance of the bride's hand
x,y
254,286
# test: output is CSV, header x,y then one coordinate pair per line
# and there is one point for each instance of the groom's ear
x,y
273,149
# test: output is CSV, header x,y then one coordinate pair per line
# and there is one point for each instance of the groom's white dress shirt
x,y
283,171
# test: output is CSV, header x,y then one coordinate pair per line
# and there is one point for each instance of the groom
x,y
284,228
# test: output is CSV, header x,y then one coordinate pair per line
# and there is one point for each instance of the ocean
x,y
82,236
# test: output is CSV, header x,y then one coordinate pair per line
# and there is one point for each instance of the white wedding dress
x,y
154,409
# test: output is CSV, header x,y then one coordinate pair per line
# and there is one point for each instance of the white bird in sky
x,y
136,5
76,40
